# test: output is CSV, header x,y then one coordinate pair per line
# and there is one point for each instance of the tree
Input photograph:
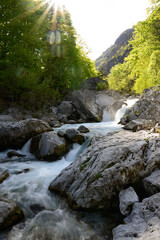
x,y
120,79
21,61
67,64
154,68
40,57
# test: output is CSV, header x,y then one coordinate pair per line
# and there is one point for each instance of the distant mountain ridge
x,y
116,53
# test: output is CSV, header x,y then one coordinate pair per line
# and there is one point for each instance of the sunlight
x,y
56,3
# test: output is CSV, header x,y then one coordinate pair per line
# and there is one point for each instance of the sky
x,y
100,22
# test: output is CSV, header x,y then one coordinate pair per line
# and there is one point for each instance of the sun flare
x,y
56,3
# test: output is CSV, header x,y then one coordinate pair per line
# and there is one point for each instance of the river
x,y
48,216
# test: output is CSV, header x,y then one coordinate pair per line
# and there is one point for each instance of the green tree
x,y
40,57
67,64
120,79
21,62
154,68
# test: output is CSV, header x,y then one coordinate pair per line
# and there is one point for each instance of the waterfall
x,y
122,110
106,116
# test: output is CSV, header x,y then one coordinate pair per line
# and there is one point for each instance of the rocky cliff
x,y
116,53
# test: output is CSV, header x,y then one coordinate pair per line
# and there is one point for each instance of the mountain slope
x,y
116,53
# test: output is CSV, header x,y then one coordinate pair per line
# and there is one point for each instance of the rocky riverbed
x,y
118,171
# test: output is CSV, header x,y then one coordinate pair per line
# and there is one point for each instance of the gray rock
x,y
66,108
56,225
139,124
107,166
143,223
127,198
114,107
48,146
10,214
13,113
83,129
67,111
147,107
15,135
90,104
15,154
152,183
75,136
94,84
3,174
7,118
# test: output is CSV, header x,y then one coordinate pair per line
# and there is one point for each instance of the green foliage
x,y
120,79
40,58
141,68
102,86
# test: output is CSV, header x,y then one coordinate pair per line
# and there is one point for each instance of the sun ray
x,y
41,19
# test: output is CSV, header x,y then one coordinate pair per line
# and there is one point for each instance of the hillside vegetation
x,y
141,69
116,53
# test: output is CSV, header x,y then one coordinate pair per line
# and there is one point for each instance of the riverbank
x,y
110,161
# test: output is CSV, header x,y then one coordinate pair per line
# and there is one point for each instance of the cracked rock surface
x,y
109,165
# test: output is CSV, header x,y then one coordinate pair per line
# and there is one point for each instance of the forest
x,y
141,69
41,56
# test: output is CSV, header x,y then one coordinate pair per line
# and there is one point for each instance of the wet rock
x,y
15,154
61,133
56,225
26,170
127,198
152,183
147,107
36,208
143,223
15,135
139,124
114,107
74,136
10,214
3,174
106,167
48,146
83,129
90,104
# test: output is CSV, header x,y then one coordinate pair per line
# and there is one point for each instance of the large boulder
x,y
143,223
3,174
147,107
127,198
11,154
152,183
48,146
95,83
67,111
10,214
83,129
106,167
55,225
75,136
90,104
15,135
139,124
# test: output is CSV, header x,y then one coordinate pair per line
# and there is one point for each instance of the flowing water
x,y
47,216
